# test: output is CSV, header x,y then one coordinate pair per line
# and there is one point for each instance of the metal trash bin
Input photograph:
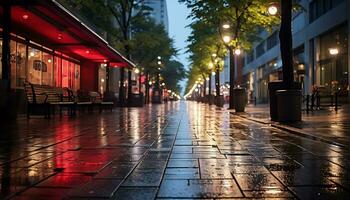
x,y
240,99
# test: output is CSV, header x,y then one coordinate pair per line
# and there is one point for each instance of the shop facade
x,y
48,45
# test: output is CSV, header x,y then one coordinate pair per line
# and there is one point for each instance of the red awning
x,y
50,24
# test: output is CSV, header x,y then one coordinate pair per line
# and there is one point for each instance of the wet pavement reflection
x,y
179,150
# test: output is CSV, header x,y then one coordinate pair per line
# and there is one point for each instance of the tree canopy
x,y
243,21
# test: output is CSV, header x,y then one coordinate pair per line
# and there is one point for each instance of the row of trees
x,y
127,26
221,27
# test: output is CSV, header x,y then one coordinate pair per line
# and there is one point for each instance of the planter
x,y
219,101
273,87
240,99
289,105
136,100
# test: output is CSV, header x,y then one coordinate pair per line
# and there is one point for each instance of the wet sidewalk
x,y
181,150
327,124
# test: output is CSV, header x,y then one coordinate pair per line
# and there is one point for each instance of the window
x,y
319,7
35,65
58,71
21,64
250,56
333,69
260,50
76,77
102,78
271,41
47,71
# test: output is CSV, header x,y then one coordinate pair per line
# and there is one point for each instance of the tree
x,y
243,18
207,52
150,41
173,73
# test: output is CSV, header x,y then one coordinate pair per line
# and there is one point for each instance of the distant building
x,y
159,12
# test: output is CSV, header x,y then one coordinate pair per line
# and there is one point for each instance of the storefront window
x,y
77,78
333,63
58,71
40,68
35,65
47,70
21,65
102,78
13,61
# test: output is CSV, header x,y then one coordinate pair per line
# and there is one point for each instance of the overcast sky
x,y
178,21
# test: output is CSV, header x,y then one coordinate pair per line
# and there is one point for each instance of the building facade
x,y
159,12
75,58
320,46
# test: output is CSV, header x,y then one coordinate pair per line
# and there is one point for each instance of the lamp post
x,y
211,65
228,40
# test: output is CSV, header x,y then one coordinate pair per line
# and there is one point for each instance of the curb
x,y
292,130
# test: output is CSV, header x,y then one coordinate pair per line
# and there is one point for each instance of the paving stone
x,y
257,181
101,188
199,189
319,192
190,163
65,180
181,173
144,178
135,193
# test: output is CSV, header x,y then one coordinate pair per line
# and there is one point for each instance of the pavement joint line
x,y
292,130
169,156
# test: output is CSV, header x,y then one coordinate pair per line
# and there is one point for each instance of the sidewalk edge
x,y
292,130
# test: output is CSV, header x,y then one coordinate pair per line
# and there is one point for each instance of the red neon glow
x,y
65,42
25,16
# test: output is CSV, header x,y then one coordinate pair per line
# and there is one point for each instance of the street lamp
x,y
272,9
226,39
226,26
238,52
333,51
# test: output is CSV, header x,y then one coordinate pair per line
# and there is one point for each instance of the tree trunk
x,y
285,36
146,89
210,77
217,82
205,86
232,78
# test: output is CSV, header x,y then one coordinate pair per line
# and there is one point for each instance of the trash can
x,y
219,101
288,105
156,98
136,100
240,99
273,87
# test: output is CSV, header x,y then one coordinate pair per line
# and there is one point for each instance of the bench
x,y
46,98
81,100
97,100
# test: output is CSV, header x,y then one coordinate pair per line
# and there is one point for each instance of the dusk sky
x,y
177,28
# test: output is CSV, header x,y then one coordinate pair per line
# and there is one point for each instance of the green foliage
x,y
132,32
245,18
150,40
173,73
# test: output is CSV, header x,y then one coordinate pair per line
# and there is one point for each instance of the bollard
x,y
336,101
254,101
307,103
